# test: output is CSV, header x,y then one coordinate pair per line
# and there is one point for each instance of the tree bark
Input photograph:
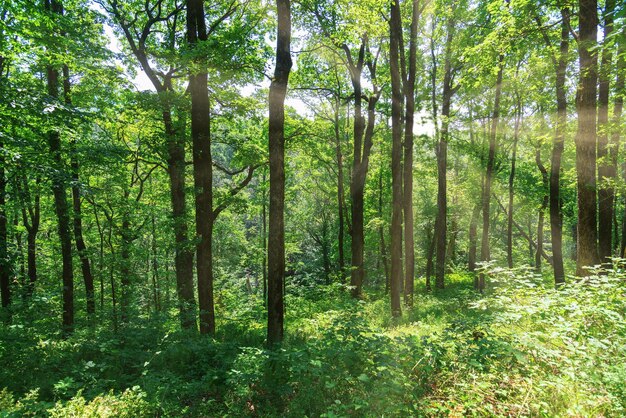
x,y
276,239
5,288
202,169
340,192
544,204
473,237
509,229
617,114
586,137
441,224
381,233
395,35
409,95
606,168
556,214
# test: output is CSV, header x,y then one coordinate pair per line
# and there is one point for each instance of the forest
x,y
312,208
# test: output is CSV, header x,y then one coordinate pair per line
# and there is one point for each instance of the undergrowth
x,y
521,349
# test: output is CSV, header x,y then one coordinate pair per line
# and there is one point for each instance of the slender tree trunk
x,y
441,225
586,137
59,190
617,117
409,95
183,258
395,35
76,205
264,240
381,233
155,269
276,240
125,267
473,237
542,209
202,169
484,251
340,192
509,230
556,215
606,168
430,253
5,288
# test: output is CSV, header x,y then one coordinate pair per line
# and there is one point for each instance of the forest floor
x,y
522,349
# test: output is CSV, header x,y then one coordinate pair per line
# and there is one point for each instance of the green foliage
x,y
523,349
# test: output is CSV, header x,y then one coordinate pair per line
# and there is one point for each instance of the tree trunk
x,y
381,233
363,135
441,224
125,267
586,137
606,168
556,214
59,190
617,119
202,169
395,35
264,240
484,250
340,192
430,253
542,209
276,239
509,229
81,248
409,95
473,237
5,288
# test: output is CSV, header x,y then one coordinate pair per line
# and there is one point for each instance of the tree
x,y
606,154
409,96
395,40
276,239
586,101
138,27
59,189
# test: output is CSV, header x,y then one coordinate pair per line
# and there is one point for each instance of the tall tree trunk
x,y
509,229
484,250
542,209
276,239
59,190
617,114
430,253
31,215
381,233
586,137
156,292
606,168
473,237
363,135
183,257
395,35
264,239
409,95
125,267
339,156
202,169
76,205
441,224
5,288
556,215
